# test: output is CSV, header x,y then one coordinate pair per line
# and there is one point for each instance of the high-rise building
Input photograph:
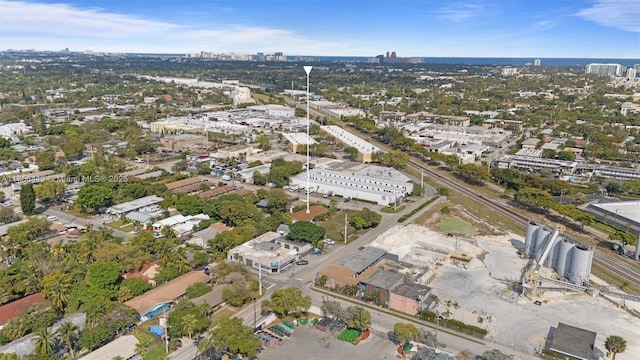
x,y
394,58
537,62
637,67
605,69
631,73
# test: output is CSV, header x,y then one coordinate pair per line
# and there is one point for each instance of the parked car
x,y
302,262
329,242
52,218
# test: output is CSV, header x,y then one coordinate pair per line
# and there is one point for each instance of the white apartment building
x,y
605,69
11,131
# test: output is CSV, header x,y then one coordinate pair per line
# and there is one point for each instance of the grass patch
x,y
390,210
222,313
121,225
156,353
455,225
334,227
607,276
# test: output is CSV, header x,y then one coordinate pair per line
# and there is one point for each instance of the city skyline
x,y
411,28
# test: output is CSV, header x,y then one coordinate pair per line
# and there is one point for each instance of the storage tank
x,y
580,265
564,258
541,239
529,239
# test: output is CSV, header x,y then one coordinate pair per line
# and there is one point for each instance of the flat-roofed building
x,y
184,142
264,251
123,347
143,204
351,185
239,151
297,142
366,150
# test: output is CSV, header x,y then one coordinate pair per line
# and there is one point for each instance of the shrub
x,y
197,289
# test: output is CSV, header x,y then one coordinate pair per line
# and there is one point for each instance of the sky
x,y
425,28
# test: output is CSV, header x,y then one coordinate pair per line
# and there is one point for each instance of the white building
x,y
605,69
11,131
631,73
144,204
267,252
181,224
348,139
379,190
509,71
298,141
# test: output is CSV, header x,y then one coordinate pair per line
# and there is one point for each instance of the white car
x,y
52,218
329,242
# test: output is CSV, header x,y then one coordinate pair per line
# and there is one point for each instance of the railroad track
x,y
621,267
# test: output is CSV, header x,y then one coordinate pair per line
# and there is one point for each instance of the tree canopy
x,y
235,337
305,231
287,301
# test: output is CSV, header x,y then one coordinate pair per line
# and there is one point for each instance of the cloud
x,y
620,14
459,12
543,25
55,26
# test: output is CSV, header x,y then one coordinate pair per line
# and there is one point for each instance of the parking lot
x,y
311,344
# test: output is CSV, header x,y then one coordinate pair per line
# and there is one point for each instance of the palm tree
x,y
142,348
68,334
59,295
44,341
615,344
189,323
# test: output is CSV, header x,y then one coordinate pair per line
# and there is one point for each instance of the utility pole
x,y
307,69
422,180
345,228
260,276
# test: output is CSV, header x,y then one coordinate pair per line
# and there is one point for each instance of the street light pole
x,y
307,69
255,316
437,325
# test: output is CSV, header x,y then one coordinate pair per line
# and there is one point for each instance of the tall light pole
x,y
307,69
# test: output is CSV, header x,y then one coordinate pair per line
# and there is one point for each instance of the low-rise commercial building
x,y
188,185
298,142
239,151
266,252
370,188
366,150
184,142
144,204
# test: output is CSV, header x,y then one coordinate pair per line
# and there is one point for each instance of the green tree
x,y
10,356
104,278
259,178
194,315
68,333
352,152
73,148
306,231
287,301
365,219
534,197
44,341
29,231
359,318
237,338
7,215
495,354
56,287
50,190
405,332
189,324
46,160
189,205
277,200
615,344
263,141
197,289
94,196
27,198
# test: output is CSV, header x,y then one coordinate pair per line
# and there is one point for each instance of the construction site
x,y
517,287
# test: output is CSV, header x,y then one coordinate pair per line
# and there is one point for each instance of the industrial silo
x,y
529,239
541,239
564,258
580,265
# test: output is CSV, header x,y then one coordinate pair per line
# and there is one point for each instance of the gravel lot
x,y
311,344
517,322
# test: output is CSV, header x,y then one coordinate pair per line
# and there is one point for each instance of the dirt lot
x,y
311,344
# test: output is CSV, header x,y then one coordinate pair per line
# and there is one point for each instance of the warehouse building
x,y
366,150
354,185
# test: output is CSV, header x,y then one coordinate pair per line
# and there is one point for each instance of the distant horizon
x,y
319,56
456,28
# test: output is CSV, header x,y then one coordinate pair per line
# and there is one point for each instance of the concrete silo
x,y
529,239
580,265
565,252
541,238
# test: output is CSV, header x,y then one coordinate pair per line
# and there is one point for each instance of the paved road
x,y
96,222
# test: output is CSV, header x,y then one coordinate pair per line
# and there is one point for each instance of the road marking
x,y
272,285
